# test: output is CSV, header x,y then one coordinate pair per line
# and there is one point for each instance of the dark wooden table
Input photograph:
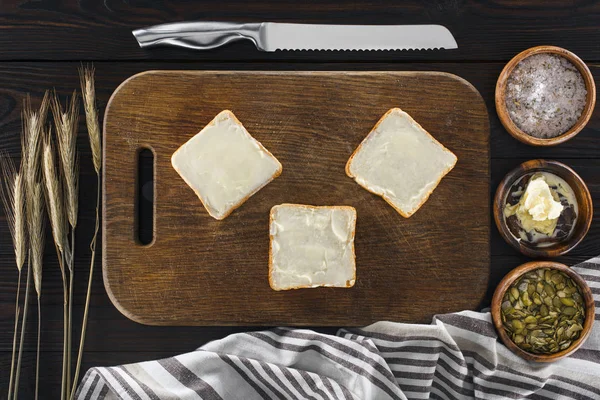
x,y
43,41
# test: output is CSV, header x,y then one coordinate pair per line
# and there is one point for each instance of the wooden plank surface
x,y
114,339
200,271
100,31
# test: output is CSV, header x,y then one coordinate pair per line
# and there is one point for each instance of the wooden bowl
x,y
510,126
515,274
582,195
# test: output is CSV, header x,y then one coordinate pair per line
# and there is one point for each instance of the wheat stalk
x,y
33,124
66,123
35,224
23,325
12,362
13,200
58,222
86,76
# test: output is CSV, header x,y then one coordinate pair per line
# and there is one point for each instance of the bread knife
x,y
272,36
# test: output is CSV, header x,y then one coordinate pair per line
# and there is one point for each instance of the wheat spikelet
x,y
66,133
13,200
35,222
88,90
54,200
33,126
20,236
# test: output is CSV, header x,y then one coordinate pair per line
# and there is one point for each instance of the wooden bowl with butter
x,y
543,311
543,208
545,96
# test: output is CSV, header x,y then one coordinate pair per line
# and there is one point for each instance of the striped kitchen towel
x,y
458,356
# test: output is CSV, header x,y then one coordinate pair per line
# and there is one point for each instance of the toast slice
x,y
401,162
311,246
224,165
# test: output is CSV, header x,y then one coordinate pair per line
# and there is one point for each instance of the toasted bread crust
x,y
271,218
231,115
426,197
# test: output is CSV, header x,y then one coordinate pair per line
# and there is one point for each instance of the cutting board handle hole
x,y
145,196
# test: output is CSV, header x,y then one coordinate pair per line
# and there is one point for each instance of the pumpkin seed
x,y
518,339
567,302
556,302
517,324
543,311
573,329
526,300
570,290
514,293
569,311
557,278
539,287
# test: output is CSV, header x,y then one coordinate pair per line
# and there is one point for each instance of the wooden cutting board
x,y
200,271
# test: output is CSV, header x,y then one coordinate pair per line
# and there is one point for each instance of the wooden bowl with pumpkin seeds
x,y
543,311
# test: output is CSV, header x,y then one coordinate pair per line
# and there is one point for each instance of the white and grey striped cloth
x,y
458,356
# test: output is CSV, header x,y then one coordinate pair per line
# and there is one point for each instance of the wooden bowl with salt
x,y
531,138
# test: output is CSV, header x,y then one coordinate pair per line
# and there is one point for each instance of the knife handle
x,y
198,35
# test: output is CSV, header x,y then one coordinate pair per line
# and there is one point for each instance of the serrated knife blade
x,y
272,36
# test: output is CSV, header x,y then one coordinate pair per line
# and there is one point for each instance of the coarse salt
x,y
545,95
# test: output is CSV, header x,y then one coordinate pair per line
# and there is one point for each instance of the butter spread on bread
x,y
400,161
311,246
224,165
